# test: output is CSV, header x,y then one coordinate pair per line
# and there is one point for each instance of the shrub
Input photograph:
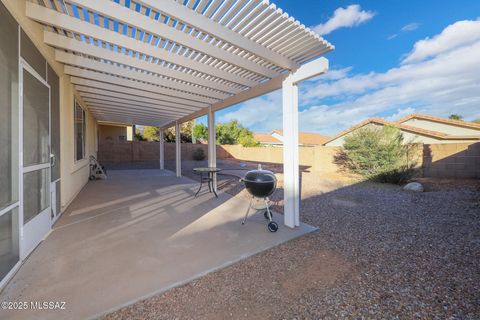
x,y
377,154
198,154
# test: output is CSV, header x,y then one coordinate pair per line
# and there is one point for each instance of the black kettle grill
x,y
261,184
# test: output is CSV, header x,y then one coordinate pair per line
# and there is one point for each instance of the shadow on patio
x,y
138,233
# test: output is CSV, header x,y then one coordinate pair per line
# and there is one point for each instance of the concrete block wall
x,y
461,160
436,160
131,151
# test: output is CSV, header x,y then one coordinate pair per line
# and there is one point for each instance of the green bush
x,y
377,153
198,154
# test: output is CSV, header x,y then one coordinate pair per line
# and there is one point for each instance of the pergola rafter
x,y
193,54
128,72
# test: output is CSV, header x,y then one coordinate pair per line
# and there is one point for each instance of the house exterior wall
x,y
442,127
74,175
111,132
409,137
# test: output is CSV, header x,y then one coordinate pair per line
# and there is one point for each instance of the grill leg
x,y
268,210
248,210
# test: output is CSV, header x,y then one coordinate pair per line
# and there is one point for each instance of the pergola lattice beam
x,y
63,42
128,98
134,92
191,92
139,108
168,94
131,17
66,22
178,11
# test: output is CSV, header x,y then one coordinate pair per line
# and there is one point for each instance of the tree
x,y
200,131
152,133
233,132
246,139
139,137
377,153
227,133
476,121
455,117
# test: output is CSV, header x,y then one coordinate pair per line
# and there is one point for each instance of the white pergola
x,y
164,62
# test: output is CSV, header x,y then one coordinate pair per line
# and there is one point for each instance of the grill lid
x,y
260,183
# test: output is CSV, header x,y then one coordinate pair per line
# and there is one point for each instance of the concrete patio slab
x,y
136,234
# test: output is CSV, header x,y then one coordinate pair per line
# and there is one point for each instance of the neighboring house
x,y
114,132
419,128
266,139
275,138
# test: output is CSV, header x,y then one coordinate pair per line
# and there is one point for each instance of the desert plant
x,y
455,117
198,154
378,154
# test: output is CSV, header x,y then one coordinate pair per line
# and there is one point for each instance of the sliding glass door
x,y
9,146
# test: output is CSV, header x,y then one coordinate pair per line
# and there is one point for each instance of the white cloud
x,y
262,114
406,28
402,112
351,16
460,33
448,82
410,27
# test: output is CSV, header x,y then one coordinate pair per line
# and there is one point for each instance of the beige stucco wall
x,y
112,132
74,175
442,127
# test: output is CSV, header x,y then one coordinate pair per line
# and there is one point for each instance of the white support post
x,y
161,143
178,150
290,154
212,148
291,163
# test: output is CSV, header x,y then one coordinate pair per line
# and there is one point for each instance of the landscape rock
x,y
414,186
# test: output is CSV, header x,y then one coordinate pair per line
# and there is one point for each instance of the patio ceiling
x,y
153,62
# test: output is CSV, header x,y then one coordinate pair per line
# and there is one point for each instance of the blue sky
x,y
392,58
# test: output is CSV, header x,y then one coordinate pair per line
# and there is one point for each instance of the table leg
x,y
213,187
200,188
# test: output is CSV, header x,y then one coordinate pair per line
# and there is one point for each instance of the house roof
x,y
404,127
459,123
153,62
308,138
266,138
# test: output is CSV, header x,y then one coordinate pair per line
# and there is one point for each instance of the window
x,y
79,132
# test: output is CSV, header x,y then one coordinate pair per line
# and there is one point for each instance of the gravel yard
x,y
379,253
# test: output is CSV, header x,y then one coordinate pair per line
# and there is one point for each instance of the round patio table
x,y
207,174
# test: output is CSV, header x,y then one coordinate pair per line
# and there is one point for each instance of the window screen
x,y
79,132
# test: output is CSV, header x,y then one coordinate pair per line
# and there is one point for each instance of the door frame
x,y
25,251
53,198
